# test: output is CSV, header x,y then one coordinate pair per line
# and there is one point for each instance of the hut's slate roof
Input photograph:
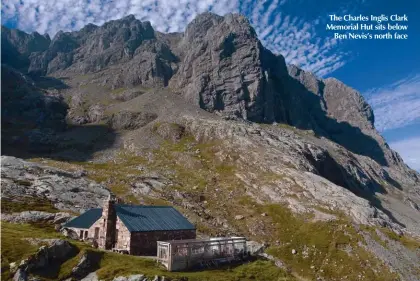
x,y
138,218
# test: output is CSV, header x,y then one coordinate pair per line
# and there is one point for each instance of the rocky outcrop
x,y
57,251
317,171
66,190
36,217
225,69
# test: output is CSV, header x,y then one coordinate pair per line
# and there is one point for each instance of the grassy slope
x,y
27,204
333,248
15,248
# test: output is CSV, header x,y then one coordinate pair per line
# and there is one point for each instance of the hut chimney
x,y
110,219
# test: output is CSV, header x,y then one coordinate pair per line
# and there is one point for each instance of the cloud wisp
x,y
296,39
293,37
409,150
396,105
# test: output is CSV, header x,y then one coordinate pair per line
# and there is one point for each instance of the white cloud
x,y
396,105
289,35
297,40
409,150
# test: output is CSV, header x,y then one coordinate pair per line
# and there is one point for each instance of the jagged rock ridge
x,y
218,64
88,95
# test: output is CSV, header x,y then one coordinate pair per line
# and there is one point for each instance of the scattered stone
x,y
294,252
239,217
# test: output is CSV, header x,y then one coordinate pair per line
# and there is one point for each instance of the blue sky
x,y
386,72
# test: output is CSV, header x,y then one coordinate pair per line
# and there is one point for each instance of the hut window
x,y
96,233
162,253
81,234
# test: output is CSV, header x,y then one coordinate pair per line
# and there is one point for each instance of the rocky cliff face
x,y
225,69
208,112
17,46
127,42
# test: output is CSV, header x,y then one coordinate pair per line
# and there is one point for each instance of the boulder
x,y
58,251
70,233
89,262
170,131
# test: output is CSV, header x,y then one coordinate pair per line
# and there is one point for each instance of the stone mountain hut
x,y
132,229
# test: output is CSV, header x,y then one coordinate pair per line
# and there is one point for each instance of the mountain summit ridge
x,y
202,113
218,64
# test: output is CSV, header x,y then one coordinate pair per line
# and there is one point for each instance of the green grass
x,y
14,247
407,241
215,180
324,243
118,91
27,204
117,265
296,130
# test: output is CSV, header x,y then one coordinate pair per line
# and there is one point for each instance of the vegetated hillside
x,y
212,122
